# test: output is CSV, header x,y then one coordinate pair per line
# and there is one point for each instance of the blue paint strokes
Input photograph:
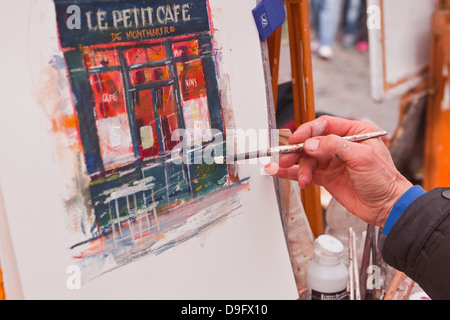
x,y
173,228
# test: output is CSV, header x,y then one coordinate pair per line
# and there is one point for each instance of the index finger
x,y
326,125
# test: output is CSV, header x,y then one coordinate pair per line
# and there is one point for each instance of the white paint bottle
x,y
326,274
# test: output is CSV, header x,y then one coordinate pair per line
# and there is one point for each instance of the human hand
x,y
359,175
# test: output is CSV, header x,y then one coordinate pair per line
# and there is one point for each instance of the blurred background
x,y
341,67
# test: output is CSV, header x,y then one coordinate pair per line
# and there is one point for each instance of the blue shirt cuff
x,y
400,206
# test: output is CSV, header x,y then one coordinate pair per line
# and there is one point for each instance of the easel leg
x,y
302,88
274,47
303,93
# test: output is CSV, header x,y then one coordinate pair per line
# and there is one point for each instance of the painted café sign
x,y
94,22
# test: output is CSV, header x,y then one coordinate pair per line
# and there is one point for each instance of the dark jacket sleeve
x,y
419,243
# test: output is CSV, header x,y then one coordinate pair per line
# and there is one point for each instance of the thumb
x,y
332,146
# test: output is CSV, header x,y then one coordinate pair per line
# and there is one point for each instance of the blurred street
x,y
342,87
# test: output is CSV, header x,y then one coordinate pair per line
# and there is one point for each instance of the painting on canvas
x,y
147,110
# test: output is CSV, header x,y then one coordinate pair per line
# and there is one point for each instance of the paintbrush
x,y
296,148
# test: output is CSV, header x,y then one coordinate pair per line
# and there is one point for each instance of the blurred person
x,y
355,25
351,17
326,16
362,38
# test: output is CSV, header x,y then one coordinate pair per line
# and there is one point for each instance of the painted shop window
x,y
149,127
153,99
195,102
99,59
112,118
145,55
146,124
168,115
186,48
149,75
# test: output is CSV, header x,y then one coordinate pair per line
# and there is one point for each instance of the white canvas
x,y
243,256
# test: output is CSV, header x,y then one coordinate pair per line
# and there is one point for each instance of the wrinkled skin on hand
x,y
359,175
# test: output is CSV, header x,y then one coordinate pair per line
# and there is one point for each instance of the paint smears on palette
x,y
140,73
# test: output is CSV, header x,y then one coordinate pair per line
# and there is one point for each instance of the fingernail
x,y
312,144
272,169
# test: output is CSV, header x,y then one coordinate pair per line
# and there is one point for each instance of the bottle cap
x,y
329,250
331,244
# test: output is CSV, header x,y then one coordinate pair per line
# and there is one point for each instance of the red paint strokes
x,y
108,96
145,120
107,58
192,79
95,247
142,235
112,118
149,75
138,55
210,19
191,215
186,48
168,115
166,108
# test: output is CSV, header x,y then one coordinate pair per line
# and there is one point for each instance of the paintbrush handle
x,y
366,136
296,148
355,138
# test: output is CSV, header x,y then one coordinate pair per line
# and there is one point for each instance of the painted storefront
x,y
141,72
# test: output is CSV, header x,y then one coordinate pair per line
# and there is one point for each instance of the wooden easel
x,y
302,87
437,150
